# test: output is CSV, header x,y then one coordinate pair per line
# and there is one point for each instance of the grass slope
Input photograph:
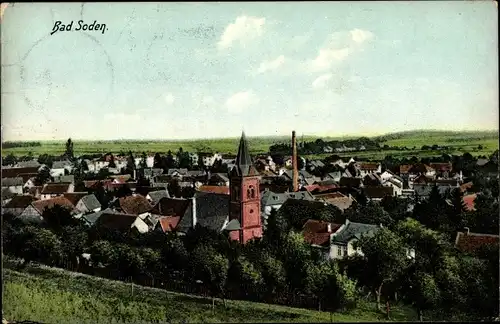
x,y
463,141
50,295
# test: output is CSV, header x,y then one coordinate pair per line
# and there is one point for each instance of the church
x,y
244,197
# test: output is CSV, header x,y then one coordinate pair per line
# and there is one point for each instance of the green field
x,y
50,295
459,143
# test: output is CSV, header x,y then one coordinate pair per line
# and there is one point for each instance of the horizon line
x,y
370,135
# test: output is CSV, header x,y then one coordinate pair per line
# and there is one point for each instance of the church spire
x,y
243,158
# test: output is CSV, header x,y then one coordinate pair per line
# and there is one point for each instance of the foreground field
x,y
50,295
476,143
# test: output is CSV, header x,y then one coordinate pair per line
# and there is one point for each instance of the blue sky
x,y
197,70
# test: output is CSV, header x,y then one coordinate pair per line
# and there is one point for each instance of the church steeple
x,y
243,157
243,163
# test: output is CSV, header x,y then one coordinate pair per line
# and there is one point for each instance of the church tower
x,y
244,203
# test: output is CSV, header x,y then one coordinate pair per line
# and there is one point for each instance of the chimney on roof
x,y
294,163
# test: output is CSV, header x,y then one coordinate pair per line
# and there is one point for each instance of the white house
x,y
14,185
194,158
342,240
52,190
366,168
88,204
60,168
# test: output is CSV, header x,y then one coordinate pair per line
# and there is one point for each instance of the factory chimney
x,y
295,175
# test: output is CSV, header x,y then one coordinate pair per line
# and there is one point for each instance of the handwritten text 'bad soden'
x,y
59,26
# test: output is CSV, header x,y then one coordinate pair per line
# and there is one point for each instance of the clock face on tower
x,y
251,215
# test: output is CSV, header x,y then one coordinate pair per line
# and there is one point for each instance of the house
x,y
214,189
173,207
7,195
91,218
327,149
288,161
343,239
444,186
168,223
14,185
271,200
421,169
88,204
28,164
209,158
149,173
64,178
316,164
336,199
17,205
34,212
218,179
377,193
442,169
132,205
60,168
469,202
396,185
210,210
154,196
319,234
473,242
16,172
351,182
194,158
121,222
372,179
160,181
51,190
340,163
388,174
335,176
368,168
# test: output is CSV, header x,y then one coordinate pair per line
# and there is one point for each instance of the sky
x,y
209,70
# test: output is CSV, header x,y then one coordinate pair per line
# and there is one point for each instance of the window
x,y
251,192
251,211
345,250
339,250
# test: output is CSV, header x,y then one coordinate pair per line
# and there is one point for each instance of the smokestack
x,y
295,176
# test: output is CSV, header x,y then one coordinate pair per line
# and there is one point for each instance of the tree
x,y
43,176
74,241
9,159
102,252
371,213
422,291
130,167
245,275
385,253
158,161
169,161
112,163
68,153
143,164
273,273
58,217
174,189
38,244
212,269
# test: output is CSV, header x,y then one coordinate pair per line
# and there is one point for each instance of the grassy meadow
x,y
458,142
50,295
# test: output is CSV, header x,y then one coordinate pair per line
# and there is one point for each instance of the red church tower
x,y
244,203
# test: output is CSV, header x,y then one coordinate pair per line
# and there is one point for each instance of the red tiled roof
x,y
27,176
14,172
214,189
329,195
466,186
171,207
116,220
378,192
370,166
74,197
320,188
20,202
169,223
41,205
469,202
316,232
135,205
472,242
56,188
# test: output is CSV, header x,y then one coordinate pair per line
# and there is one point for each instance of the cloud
x,y
121,118
169,98
241,101
327,57
245,28
360,36
321,81
271,65
207,100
